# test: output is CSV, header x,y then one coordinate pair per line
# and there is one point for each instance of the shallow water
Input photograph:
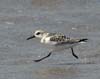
x,y
75,18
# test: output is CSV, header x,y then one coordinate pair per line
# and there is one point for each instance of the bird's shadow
x,y
77,63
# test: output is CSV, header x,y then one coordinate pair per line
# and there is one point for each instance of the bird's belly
x,y
63,47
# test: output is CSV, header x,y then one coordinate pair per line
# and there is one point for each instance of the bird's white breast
x,y
46,40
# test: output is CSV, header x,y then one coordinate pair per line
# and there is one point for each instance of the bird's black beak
x,y
30,37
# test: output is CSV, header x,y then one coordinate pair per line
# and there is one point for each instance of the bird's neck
x,y
43,39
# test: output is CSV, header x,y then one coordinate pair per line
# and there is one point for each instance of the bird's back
x,y
57,37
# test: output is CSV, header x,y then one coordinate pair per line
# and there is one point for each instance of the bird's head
x,y
37,34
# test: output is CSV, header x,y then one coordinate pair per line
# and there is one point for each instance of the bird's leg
x,y
38,60
74,53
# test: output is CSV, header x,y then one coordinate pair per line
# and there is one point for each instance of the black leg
x,y
74,53
38,60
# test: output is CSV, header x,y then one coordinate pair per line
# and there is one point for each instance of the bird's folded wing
x,y
58,38
68,41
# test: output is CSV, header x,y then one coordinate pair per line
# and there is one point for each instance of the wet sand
x,y
75,18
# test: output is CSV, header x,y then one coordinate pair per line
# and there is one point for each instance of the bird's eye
x,y
38,33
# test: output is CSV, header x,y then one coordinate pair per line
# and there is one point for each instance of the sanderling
x,y
58,40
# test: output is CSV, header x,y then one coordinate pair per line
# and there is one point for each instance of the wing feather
x,y
68,41
62,39
58,38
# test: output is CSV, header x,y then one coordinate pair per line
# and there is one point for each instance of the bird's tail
x,y
83,40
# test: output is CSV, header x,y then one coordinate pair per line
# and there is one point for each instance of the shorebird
x,y
58,40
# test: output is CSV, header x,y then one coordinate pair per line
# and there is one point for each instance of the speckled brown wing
x,y
68,41
58,38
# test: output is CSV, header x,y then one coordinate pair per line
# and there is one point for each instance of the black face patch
x,y
37,33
